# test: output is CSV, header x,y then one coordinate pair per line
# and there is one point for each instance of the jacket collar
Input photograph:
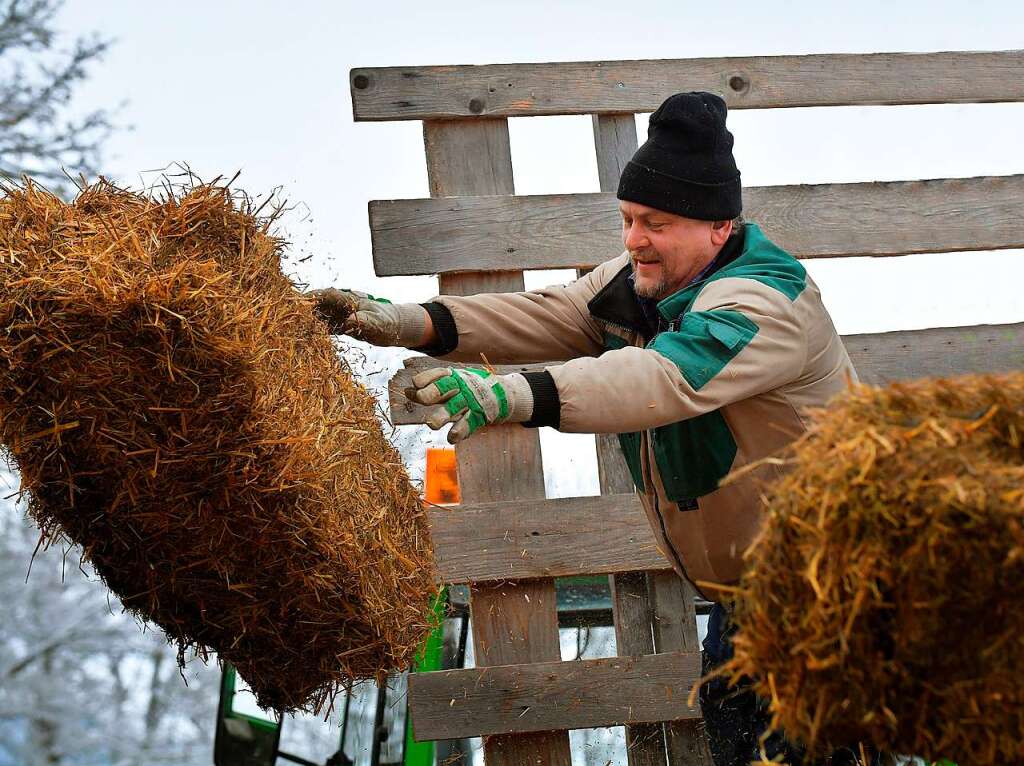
x,y
618,304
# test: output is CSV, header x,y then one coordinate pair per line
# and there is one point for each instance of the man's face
x,y
668,250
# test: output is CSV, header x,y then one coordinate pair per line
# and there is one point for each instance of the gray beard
x,y
656,291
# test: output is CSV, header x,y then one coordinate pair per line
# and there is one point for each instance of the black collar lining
x,y
617,304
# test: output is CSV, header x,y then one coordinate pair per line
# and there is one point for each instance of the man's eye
x,y
655,226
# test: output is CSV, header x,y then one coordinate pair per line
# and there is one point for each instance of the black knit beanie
x,y
686,166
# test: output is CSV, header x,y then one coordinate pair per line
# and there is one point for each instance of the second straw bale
x,y
882,603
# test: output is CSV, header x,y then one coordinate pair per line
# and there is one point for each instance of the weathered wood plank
x,y
749,82
513,540
631,613
675,630
878,357
564,231
468,160
553,695
612,472
614,143
672,604
503,463
938,352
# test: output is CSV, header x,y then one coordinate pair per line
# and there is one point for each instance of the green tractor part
x,y
430,657
242,739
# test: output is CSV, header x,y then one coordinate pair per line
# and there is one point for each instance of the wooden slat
x,y
603,87
878,358
552,695
675,630
562,231
612,472
502,463
939,352
673,608
512,540
614,143
632,612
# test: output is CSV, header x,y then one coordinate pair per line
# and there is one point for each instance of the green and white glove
x,y
374,320
470,399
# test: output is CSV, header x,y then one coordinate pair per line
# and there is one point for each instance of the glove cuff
x,y
412,324
520,398
547,406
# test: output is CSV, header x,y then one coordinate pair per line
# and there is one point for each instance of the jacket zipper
x,y
617,326
657,506
648,478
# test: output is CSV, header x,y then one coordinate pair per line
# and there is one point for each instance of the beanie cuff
x,y
690,199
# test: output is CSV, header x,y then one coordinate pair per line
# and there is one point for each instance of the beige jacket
x,y
712,378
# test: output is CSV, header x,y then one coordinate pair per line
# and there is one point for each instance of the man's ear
x,y
720,232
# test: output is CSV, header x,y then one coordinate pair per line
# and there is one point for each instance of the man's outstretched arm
x,y
552,324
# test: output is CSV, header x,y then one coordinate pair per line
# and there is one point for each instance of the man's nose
x,y
634,238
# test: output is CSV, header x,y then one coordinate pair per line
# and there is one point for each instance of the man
x,y
700,346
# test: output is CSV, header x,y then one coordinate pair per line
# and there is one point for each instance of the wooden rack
x,y
507,541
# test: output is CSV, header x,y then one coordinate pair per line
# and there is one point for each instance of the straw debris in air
x,y
176,409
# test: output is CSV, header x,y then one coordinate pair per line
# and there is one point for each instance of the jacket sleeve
x,y
740,338
546,325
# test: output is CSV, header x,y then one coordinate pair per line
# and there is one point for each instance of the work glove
x,y
470,399
374,320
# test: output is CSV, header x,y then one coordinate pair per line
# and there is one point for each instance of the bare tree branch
x,y
40,134
26,24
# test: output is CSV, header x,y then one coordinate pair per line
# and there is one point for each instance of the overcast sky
x,y
263,87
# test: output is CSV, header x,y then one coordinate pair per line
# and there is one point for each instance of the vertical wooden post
x,y
514,622
675,630
643,604
615,142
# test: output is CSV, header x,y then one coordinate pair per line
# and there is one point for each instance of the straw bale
x,y
176,409
883,600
